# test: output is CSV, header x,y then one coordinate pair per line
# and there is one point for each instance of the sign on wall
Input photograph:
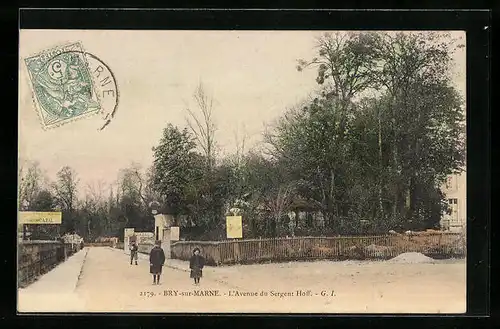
x,y
234,227
38,217
128,232
145,237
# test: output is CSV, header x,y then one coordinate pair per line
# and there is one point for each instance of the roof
x,y
303,204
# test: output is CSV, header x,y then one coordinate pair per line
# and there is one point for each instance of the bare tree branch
x,y
203,129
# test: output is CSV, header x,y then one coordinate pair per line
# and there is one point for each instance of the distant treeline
x,y
368,153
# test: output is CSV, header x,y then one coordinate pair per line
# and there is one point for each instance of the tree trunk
x,y
395,200
332,202
252,226
410,204
395,165
380,161
331,220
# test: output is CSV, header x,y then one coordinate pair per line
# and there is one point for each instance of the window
x,y
449,181
453,201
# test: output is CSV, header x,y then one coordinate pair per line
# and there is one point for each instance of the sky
x,y
251,75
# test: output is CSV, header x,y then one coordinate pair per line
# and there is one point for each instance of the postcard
x,y
167,171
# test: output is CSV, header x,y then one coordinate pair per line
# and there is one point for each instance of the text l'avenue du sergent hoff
x,y
238,293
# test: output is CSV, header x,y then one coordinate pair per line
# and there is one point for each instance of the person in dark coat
x,y
156,261
134,252
196,264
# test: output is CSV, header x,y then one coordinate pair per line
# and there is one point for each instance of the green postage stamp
x,y
62,85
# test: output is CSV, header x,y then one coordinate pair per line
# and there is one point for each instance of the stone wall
x,y
145,248
36,258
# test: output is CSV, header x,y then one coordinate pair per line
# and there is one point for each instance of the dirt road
x,y
110,284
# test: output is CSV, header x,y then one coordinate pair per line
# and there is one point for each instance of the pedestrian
x,y
134,250
196,264
156,262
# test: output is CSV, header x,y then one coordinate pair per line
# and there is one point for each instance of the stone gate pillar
x,y
126,239
163,223
165,242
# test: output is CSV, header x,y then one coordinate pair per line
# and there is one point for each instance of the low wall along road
x,y
36,258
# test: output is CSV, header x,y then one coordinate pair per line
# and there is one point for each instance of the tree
x,y
174,168
43,201
141,193
421,102
347,67
346,64
207,197
363,157
310,141
93,213
31,181
117,220
134,184
430,147
204,128
268,192
234,164
66,197
65,188
133,201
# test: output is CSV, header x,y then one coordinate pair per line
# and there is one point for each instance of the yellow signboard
x,y
128,232
36,217
234,227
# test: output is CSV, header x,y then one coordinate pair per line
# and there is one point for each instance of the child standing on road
x,y
134,249
196,264
156,262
